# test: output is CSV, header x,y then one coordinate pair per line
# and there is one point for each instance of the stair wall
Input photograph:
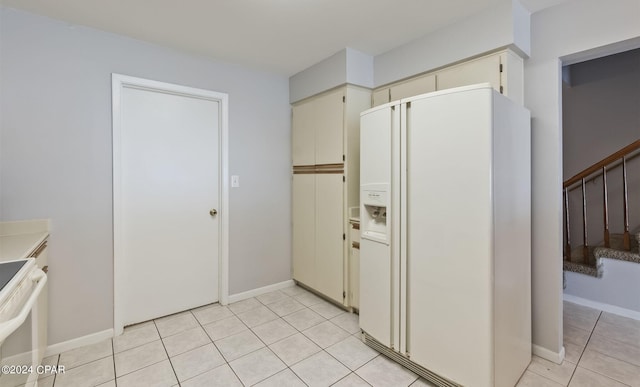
x,y
619,286
600,115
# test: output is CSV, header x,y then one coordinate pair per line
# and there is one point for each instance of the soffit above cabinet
x,y
282,36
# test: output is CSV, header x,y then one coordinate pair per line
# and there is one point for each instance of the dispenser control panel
x,y
376,197
373,213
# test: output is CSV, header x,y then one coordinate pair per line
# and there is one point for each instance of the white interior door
x,y
166,182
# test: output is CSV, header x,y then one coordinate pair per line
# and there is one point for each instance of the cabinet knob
x,y
213,212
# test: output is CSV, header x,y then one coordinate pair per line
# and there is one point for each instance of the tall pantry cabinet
x,y
326,169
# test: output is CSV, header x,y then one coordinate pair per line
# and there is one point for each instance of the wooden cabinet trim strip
x,y
319,172
304,167
330,166
319,168
36,253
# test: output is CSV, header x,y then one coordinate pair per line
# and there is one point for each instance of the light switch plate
x,y
235,181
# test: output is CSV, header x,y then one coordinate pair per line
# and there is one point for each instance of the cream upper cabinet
x,y
416,86
504,70
512,76
486,69
318,130
380,97
303,136
329,128
409,88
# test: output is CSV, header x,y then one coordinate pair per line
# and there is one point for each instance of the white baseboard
x,y
65,346
602,306
107,334
556,357
259,291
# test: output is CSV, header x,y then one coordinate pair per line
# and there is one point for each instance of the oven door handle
x,y
8,327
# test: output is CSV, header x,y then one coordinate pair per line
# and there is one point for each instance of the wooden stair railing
x,y
599,169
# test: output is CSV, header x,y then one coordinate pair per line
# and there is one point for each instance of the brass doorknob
x,y
213,212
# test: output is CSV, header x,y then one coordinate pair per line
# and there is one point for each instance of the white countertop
x,y
19,246
19,239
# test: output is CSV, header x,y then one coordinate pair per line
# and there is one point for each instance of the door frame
x,y
119,82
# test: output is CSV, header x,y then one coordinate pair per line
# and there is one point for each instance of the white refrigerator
x,y
445,252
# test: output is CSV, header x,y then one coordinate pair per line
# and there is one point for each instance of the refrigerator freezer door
x,y
375,146
375,290
376,270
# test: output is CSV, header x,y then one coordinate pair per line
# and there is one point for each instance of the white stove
x,y
23,311
8,271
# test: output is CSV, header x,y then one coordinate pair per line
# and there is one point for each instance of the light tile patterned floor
x,y
602,350
294,338
288,337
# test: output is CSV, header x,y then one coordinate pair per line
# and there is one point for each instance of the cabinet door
x,y
303,136
486,69
512,76
380,97
425,84
329,235
354,268
329,124
304,215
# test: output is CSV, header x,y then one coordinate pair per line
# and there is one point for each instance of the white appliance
x,y
445,264
23,322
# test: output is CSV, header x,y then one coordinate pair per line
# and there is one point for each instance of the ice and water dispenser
x,y
373,214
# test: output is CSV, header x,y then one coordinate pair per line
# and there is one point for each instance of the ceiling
x,y
282,36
